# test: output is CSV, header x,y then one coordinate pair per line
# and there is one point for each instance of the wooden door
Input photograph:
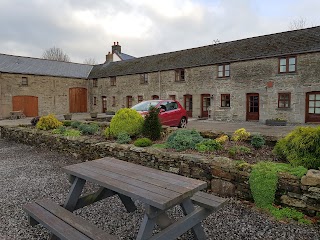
x,y
104,104
313,107
129,101
27,104
188,104
252,107
205,105
77,100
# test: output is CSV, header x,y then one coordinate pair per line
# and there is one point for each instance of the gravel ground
x,y
28,173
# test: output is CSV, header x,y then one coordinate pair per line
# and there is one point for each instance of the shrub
x,y
152,126
34,121
183,139
72,133
126,120
143,142
257,141
75,124
67,123
208,145
123,138
222,139
235,150
59,130
48,122
240,135
88,129
107,133
301,147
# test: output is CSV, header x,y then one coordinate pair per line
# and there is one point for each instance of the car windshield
x,y
145,106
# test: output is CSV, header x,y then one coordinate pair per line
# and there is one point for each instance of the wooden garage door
x,y
78,100
27,104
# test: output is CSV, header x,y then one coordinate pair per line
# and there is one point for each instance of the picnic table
x,y
158,190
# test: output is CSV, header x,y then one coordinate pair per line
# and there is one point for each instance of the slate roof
x,y
124,56
278,44
37,66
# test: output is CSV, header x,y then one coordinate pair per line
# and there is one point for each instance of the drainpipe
x,y
159,79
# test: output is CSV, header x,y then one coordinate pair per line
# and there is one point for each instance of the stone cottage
x,y
253,79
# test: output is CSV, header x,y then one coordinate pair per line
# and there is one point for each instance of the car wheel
x,y
183,123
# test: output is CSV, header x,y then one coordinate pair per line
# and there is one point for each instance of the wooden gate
x,y
313,107
27,104
78,100
252,107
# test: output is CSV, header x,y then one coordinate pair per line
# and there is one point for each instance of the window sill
x,y
284,109
179,81
224,107
223,78
287,73
144,83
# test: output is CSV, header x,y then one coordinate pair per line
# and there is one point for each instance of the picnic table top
x,y
154,187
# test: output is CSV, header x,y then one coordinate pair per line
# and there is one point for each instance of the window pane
x,y
292,68
317,110
317,103
312,97
292,61
283,62
281,104
227,73
220,68
227,67
282,68
220,74
317,96
311,110
311,104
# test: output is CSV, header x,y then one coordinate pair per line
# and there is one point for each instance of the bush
x,y
142,142
123,138
75,124
88,129
300,147
152,126
125,120
222,139
208,145
48,122
59,130
257,141
235,150
34,121
240,135
72,133
67,123
183,139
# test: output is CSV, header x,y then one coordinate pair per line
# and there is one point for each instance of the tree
x,y
56,54
90,61
298,24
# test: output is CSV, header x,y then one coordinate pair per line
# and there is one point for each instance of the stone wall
x,y
223,175
52,92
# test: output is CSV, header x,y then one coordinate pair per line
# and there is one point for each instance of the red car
x,y
171,112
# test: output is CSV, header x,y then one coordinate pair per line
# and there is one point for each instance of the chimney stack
x,y
116,48
109,57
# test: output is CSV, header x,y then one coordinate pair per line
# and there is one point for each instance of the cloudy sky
x,y
87,28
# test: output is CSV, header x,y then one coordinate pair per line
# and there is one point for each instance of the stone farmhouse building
x,y
253,79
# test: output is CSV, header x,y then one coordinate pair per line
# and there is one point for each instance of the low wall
x,y
223,175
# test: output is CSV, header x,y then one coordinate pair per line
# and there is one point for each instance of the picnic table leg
x,y
198,232
146,228
74,194
127,202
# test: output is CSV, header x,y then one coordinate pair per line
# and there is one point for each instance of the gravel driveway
x,y
28,173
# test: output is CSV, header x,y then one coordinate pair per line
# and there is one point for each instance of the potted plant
x,y
276,122
67,116
94,114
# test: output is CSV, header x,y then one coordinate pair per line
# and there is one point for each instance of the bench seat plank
x,y
206,200
63,223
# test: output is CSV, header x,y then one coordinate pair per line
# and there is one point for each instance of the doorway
x,y
252,107
313,107
205,105
104,104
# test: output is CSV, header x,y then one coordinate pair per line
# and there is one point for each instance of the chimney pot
x,y
117,43
114,43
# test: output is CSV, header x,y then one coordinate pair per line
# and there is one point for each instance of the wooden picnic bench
x,y
17,115
158,190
